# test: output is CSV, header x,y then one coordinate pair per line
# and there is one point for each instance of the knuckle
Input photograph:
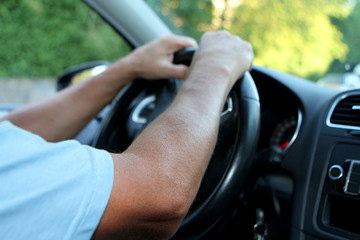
x,y
224,32
167,38
249,46
207,34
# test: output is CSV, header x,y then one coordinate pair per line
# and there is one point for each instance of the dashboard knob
x,y
335,172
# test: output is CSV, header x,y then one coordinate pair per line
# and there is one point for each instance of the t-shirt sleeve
x,y
50,190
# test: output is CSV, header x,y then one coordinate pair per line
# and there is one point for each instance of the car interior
x,y
287,160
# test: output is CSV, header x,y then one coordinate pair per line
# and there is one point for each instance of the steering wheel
x,y
142,101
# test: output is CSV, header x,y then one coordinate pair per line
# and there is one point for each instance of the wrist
x,y
111,81
132,65
125,68
218,75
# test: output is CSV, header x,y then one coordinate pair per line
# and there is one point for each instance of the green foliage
x,y
292,36
350,27
185,17
307,38
43,37
298,37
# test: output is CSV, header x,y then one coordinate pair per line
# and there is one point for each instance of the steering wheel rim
x,y
225,176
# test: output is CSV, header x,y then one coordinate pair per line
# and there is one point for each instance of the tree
x,y
43,37
349,26
190,18
292,36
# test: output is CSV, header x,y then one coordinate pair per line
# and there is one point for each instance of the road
x,y
23,91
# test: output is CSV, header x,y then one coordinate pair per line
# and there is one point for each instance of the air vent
x,y
347,112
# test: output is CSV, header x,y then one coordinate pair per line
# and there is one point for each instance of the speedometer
x,y
286,132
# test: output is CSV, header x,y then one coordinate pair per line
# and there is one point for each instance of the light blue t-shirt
x,y
50,190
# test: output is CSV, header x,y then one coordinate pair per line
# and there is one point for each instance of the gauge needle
x,y
284,145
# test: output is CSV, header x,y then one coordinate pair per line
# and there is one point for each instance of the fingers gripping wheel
x,y
142,101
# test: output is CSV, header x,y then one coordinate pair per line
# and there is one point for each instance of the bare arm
x,y
157,178
63,115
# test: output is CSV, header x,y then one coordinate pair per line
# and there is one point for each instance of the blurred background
x,y
313,39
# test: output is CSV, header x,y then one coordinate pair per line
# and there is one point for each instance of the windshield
x,y
309,38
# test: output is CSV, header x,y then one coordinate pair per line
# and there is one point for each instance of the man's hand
x,y
154,60
226,53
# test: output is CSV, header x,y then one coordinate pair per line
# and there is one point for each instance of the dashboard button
x,y
352,182
335,172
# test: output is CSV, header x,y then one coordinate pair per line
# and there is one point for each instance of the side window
x,y
41,38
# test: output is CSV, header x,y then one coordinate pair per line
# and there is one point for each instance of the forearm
x,y
185,135
162,169
63,115
176,148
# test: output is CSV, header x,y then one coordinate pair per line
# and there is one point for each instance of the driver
x,y
56,188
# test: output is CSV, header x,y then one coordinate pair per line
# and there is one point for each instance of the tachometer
x,y
286,132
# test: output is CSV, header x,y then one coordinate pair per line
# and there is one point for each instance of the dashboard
x,y
311,135
281,115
